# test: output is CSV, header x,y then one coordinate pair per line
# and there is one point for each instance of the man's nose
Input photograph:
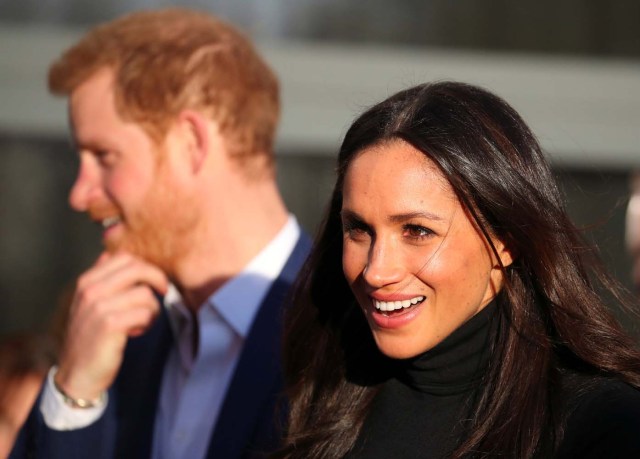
x,y
83,188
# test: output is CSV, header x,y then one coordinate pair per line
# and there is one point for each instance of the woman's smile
x,y
417,264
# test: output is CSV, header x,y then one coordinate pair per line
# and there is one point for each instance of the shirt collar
x,y
176,309
239,299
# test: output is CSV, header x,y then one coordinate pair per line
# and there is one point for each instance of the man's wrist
x,y
58,415
78,403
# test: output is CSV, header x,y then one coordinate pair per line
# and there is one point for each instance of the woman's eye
x,y
355,232
417,231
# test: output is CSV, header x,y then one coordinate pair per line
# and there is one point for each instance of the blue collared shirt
x,y
194,384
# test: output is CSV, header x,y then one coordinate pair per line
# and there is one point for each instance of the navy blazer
x,y
248,423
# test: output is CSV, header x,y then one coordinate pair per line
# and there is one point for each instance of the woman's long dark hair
x,y
551,313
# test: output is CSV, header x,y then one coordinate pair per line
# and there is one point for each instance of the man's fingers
x,y
93,350
119,274
109,265
104,265
108,314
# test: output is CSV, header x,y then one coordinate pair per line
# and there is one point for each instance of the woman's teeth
x,y
387,306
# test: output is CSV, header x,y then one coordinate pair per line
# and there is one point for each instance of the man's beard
x,y
158,231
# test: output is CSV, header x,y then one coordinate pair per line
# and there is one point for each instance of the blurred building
x,y
571,68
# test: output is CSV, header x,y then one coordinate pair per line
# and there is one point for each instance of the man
x,y
633,229
173,115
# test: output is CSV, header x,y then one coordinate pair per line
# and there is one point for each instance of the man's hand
x,y
113,301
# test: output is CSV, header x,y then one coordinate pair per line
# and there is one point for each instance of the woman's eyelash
x,y
354,228
418,231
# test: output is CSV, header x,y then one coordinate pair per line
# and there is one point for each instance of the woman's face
x,y
417,265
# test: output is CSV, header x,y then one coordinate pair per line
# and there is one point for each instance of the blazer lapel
x,y
247,423
138,388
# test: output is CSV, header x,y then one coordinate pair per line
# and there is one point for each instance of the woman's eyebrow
x,y
348,214
412,215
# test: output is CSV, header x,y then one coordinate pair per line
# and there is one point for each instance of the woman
x,y
25,359
450,308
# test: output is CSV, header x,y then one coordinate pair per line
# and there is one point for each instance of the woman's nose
x,y
384,265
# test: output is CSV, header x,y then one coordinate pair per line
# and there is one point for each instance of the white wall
x,y
585,112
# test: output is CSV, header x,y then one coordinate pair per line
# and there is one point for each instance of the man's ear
x,y
194,132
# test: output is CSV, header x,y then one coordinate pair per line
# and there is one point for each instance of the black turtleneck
x,y
421,411
424,408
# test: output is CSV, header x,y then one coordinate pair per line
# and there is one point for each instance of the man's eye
x,y
105,157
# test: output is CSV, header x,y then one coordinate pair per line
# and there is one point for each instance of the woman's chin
x,y
398,348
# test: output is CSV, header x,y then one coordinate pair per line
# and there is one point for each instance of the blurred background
x,y
571,68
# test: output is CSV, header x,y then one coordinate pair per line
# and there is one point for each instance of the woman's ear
x,y
194,132
504,253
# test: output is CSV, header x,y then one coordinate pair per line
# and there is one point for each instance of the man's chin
x,y
112,246
137,251
119,244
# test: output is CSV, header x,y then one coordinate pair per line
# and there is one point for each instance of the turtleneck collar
x,y
456,364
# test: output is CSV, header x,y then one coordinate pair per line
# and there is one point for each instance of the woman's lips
x,y
396,313
397,305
